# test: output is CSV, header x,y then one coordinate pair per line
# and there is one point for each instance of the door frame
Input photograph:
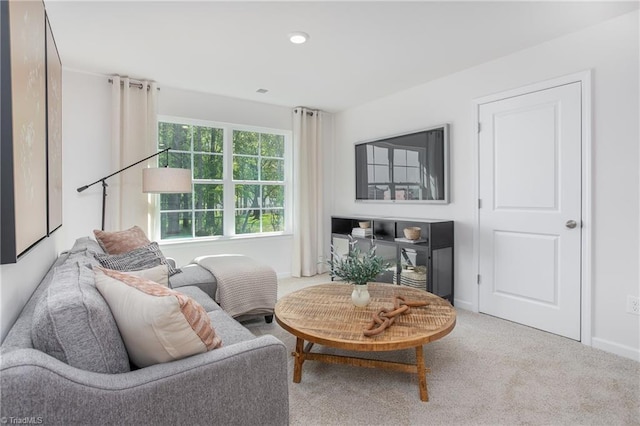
x,y
584,78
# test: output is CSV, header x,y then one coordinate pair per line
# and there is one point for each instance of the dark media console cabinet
x,y
427,264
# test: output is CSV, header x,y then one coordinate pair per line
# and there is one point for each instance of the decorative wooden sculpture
x,y
385,317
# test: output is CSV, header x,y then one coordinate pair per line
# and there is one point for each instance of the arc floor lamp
x,y
155,180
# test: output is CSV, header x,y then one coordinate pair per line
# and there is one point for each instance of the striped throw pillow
x,y
141,258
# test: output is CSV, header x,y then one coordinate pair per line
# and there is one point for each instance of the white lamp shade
x,y
166,180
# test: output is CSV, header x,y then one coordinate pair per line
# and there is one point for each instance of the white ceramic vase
x,y
360,295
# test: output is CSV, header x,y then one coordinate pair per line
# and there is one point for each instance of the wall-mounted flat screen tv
x,y
411,167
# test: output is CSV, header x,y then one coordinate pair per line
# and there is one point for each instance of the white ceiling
x,y
358,51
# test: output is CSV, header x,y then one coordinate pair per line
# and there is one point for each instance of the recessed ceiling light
x,y
298,37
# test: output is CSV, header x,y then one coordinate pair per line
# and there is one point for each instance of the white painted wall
x,y
611,49
86,129
204,106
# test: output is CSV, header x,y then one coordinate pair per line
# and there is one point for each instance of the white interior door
x,y
530,190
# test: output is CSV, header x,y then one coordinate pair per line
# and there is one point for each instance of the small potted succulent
x,y
358,268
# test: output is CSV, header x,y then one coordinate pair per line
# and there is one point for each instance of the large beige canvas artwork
x,y
54,132
28,85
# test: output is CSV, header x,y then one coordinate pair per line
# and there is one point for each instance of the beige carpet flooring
x,y
486,372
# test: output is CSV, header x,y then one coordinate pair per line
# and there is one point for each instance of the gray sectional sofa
x,y
72,381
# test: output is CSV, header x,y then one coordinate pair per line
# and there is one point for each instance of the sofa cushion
x,y
195,275
157,324
141,258
230,330
199,296
119,242
73,323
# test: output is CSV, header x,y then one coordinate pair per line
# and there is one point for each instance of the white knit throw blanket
x,y
245,286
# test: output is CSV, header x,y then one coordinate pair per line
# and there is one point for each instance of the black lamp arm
x,y
82,188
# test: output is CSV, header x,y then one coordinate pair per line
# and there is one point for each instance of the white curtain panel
x,y
308,228
134,137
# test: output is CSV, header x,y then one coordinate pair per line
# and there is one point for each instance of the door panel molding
x,y
515,259
584,78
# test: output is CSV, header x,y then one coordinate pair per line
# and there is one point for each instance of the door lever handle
x,y
571,224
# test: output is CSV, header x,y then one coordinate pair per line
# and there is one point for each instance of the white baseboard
x,y
463,304
616,348
283,275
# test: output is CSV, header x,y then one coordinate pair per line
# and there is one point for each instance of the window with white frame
x,y
241,180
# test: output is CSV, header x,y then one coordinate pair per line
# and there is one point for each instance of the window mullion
x,y
229,218
260,203
193,188
259,165
288,187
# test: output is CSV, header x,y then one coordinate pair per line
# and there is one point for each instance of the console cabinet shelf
x,y
427,265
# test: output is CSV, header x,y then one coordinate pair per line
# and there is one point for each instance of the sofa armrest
x,y
243,383
171,261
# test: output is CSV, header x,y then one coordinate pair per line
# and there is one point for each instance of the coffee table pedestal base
x,y
302,354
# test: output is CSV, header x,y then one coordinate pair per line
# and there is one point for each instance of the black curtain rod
x,y
309,113
133,83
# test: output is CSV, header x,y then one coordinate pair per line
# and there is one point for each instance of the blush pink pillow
x,y
157,324
119,242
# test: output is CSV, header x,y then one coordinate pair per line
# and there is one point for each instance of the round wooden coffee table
x,y
324,314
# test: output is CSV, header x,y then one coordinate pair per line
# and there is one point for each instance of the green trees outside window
x,y
258,162
257,181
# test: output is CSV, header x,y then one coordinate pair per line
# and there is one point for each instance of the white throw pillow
x,y
157,324
158,274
